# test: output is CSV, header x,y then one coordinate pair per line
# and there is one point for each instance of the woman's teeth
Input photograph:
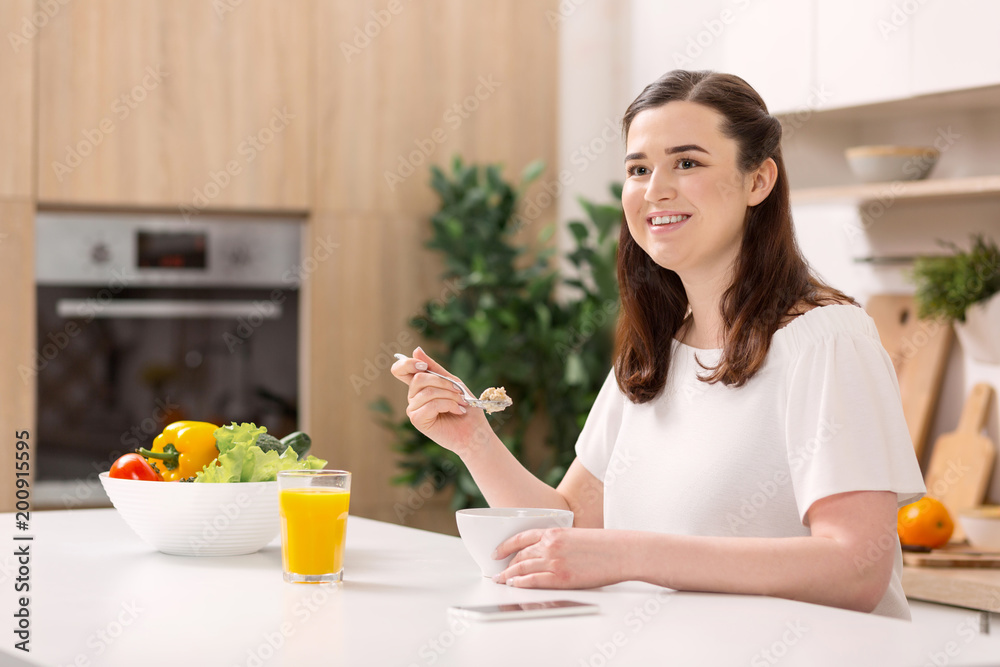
x,y
667,219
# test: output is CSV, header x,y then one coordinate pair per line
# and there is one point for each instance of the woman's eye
x,y
685,163
637,171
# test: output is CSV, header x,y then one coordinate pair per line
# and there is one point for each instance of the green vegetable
x,y
298,441
242,460
267,442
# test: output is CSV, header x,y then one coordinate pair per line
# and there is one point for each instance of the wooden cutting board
x,y
951,557
919,351
961,461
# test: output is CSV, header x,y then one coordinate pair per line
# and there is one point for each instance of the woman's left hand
x,y
562,558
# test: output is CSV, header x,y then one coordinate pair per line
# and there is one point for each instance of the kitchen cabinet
x,y
175,103
855,36
955,45
414,85
757,47
17,339
20,28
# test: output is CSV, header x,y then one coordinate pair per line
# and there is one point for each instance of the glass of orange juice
x,y
313,506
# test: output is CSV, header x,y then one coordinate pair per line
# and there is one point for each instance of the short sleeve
x,y
597,441
845,428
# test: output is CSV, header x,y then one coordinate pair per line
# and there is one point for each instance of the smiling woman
x,y
750,438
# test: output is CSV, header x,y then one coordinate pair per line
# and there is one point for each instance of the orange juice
x,y
313,529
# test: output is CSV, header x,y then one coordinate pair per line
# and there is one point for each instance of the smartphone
x,y
503,612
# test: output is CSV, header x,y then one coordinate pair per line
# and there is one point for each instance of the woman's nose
x,y
660,187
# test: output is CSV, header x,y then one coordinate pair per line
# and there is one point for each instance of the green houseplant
x,y
962,288
515,322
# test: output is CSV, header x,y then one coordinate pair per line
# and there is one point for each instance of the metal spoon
x,y
488,406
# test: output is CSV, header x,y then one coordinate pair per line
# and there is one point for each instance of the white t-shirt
x,y
821,416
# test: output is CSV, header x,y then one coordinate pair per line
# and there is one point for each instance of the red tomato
x,y
133,466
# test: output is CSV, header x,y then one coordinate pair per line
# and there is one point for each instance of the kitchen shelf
x,y
941,188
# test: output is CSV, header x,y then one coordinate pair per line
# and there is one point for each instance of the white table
x,y
100,596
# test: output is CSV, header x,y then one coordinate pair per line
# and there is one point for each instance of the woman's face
x,y
685,200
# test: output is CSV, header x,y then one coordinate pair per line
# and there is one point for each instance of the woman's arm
x,y
841,564
438,411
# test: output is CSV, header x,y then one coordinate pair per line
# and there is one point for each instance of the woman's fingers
x,y
427,413
520,541
431,386
421,356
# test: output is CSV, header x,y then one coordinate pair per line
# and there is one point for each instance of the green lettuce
x,y
241,460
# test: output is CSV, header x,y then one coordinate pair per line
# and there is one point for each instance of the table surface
x,y
101,596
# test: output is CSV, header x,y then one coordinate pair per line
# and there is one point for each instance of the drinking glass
x,y
313,507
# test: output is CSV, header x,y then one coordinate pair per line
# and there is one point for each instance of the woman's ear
x,y
762,181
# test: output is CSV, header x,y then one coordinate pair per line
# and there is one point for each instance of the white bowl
x,y
483,530
877,164
982,527
192,519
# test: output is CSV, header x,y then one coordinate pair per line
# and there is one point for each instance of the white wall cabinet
x,y
861,55
955,45
823,54
770,44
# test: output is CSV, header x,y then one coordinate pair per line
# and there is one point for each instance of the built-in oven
x,y
144,320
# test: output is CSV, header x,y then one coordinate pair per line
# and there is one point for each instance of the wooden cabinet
x,y
20,29
400,86
17,338
171,103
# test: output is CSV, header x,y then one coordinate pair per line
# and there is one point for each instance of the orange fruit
x,y
925,523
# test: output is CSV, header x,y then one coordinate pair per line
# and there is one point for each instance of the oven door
x,y
114,369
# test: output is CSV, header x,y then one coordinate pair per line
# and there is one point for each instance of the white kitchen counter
x,y
100,596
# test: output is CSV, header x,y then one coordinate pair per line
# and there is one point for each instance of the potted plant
x,y
962,288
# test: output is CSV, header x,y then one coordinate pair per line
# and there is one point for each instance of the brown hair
x,y
770,277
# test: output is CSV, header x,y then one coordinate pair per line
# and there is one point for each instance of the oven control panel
x,y
162,250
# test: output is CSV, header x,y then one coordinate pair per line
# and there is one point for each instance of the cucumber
x,y
298,441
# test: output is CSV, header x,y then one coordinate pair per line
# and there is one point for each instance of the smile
x,y
667,219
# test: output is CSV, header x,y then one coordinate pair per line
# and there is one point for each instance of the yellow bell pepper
x,y
183,449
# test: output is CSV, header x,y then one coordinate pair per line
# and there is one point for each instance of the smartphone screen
x,y
496,612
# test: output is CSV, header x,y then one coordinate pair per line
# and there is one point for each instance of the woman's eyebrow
x,y
685,148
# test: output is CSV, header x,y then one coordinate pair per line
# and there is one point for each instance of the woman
x,y
750,438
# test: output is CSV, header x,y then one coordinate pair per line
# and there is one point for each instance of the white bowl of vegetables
x,y
229,509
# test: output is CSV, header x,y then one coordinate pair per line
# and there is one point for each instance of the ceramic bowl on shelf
x,y
192,519
483,529
982,527
877,164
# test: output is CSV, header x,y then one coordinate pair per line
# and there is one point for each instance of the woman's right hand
x,y
436,407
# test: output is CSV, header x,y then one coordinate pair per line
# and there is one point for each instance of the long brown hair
x,y
770,277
